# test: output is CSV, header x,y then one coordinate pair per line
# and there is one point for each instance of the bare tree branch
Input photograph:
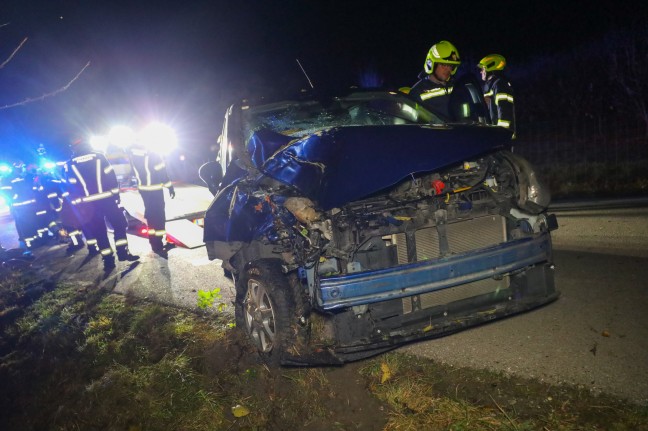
x,y
4,63
46,95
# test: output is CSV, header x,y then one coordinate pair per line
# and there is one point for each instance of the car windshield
x,y
302,118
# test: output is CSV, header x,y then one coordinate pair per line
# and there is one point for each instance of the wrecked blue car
x,y
355,223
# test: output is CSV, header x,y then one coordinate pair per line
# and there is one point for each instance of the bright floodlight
x,y
99,143
121,136
159,137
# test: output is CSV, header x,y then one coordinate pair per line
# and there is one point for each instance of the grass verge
x,y
84,358
423,395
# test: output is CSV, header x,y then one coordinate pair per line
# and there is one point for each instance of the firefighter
x,y
69,217
48,201
152,178
498,92
93,189
435,84
22,203
74,229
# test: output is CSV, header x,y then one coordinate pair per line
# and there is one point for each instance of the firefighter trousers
x,y
26,223
155,215
96,214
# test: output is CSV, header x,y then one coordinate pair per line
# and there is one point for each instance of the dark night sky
x,y
184,62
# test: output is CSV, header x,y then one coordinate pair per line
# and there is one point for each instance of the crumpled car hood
x,y
341,165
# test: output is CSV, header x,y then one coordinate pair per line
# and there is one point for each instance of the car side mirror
x,y
212,174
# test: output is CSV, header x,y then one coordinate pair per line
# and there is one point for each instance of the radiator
x,y
462,236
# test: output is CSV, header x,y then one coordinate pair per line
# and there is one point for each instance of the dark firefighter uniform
x,y
434,87
435,97
498,93
48,203
93,187
22,201
150,171
69,216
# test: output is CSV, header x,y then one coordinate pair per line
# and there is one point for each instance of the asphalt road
x,y
595,335
173,281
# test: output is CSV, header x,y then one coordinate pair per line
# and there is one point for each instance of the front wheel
x,y
266,310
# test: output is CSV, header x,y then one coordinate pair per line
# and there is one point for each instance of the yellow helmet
x,y
442,52
492,62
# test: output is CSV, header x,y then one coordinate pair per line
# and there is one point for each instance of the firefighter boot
x,y
124,255
73,248
156,243
75,245
109,263
158,247
74,239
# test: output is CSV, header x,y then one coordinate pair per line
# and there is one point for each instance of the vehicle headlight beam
x,y
158,137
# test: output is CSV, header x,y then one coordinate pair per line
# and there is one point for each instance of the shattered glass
x,y
299,119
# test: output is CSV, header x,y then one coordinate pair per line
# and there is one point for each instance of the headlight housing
x,y
533,195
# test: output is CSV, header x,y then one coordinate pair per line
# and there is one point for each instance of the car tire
x,y
266,309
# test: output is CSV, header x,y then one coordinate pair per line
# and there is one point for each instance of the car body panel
x,y
340,165
337,166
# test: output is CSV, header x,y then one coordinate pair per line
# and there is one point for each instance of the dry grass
x,y
424,395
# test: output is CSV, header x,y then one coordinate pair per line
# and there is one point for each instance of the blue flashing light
x,y
48,165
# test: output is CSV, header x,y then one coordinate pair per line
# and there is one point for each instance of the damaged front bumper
x,y
432,275
371,312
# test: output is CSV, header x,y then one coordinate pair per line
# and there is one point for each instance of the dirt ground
x,y
344,398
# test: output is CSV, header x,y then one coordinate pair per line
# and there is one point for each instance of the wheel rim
x,y
259,316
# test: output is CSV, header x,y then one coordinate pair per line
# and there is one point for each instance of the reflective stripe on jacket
x,y
149,169
498,93
90,177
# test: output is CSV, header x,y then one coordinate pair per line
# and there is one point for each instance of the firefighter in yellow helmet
x,y
434,87
498,92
